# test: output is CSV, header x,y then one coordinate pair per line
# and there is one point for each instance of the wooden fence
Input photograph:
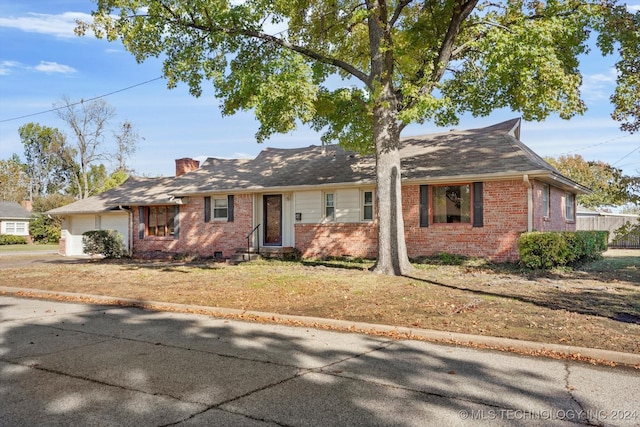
x,y
610,223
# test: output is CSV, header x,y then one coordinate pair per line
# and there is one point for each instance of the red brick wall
x,y
556,221
343,239
197,237
62,247
505,217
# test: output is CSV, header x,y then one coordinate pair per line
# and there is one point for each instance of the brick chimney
x,y
28,205
186,165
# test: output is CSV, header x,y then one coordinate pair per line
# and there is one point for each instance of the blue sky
x,y
41,60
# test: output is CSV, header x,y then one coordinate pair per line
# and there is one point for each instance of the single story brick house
x,y
14,220
467,192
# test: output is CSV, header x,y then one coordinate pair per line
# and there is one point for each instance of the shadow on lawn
x,y
127,366
619,306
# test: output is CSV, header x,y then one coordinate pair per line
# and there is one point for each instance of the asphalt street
x,y
79,364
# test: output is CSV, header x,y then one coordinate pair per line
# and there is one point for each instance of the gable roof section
x,y
13,210
493,152
133,192
278,168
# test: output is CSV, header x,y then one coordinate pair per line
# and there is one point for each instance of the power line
x,y
626,155
598,144
81,101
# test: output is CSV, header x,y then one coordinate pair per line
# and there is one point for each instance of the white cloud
x,y
54,67
241,155
633,7
7,67
599,86
61,25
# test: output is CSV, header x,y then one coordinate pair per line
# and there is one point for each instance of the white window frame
x,y
365,205
16,228
546,201
10,227
217,208
329,206
570,206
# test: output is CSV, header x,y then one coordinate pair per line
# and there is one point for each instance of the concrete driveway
x,y
76,364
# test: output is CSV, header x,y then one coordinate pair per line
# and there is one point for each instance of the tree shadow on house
x,y
75,364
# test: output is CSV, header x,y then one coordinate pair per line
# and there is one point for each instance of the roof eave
x,y
287,188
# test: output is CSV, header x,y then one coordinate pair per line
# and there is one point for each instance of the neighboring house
x,y
591,220
463,192
14,219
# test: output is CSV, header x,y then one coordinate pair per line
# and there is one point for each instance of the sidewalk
x,y
77,364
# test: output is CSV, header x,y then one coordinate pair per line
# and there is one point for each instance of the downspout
x,y
525,178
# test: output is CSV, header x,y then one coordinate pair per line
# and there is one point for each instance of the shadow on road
x,y
127,366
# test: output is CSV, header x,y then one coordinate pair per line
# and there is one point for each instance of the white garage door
x,y
118,222
78,224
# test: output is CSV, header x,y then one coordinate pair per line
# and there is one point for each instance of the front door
x,y
272,219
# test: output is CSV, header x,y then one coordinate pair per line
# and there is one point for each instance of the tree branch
x,y
259,35
398,11
446,51
446,48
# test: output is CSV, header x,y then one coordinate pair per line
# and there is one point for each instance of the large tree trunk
x,y
392,248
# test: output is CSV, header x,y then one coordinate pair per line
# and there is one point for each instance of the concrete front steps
x,y
242,255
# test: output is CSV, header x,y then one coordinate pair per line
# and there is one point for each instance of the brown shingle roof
x,y
478,154
494,150
133,192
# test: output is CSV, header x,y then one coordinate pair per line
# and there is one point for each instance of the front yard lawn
x,y
597,305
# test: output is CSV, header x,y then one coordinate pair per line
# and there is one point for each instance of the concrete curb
x,y
478,341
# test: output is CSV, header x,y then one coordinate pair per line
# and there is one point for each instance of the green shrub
x,y
544,250
45,229
103,242
8,239
627,230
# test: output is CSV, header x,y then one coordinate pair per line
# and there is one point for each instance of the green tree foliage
x,y
48,159
100,180
402,61
626,98
610,187
14,182
631,210
45,228
628,231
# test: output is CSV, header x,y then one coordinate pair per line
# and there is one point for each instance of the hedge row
x,y
8,239
557,248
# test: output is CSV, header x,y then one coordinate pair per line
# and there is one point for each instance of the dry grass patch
x,y
595,306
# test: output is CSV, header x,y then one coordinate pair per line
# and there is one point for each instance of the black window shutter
x,y
207,209
230,208
176,221
424,206
141,218
478,216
